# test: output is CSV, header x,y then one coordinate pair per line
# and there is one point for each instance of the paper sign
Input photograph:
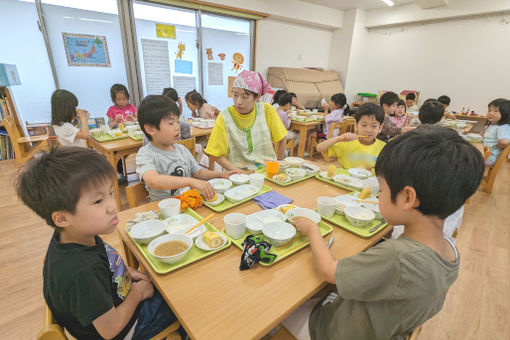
x,y
165,31
86,50
215,74
184,85
183,66
230,86
156,64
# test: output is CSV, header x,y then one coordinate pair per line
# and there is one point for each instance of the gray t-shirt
x,y
384,292
179,162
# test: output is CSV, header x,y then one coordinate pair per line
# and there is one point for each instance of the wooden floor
x,y
477,306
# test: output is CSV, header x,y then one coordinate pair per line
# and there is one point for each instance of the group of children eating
x,y
382,293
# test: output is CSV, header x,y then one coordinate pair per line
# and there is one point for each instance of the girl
x,y
276,98
63,112
244,133
122,110
497,135
338,105
284,103
397,122
199,107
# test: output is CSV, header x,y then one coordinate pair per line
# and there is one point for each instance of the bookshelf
x,y
7,108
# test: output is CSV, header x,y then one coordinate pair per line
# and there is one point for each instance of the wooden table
x,y
197,132
213,299
303,128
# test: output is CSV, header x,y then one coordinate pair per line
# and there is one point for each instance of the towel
x,y
271,200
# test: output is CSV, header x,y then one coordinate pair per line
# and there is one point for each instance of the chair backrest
x,y
289,146
333,127
488,180
136,193
14,134
348,125
189,144
51,329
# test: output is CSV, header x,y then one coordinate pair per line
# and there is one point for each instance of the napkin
x,y
255,251
271,200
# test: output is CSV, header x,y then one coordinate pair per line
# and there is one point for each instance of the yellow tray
x,y
283,184
342,222
193,255
107,138
226,204
136,139
298,243
339,171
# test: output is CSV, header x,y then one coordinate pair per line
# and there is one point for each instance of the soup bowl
x,y
167,238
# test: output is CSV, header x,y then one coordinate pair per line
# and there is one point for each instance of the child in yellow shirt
x,y
358,150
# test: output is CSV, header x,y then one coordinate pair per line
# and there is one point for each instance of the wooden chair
x,y
414,334
488,180
136,193
347,125
22,149
289,146
189,144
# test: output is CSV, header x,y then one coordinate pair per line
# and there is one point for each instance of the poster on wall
x,y
156,65
86,50
237,60
215,74
184,85
183,66
165,31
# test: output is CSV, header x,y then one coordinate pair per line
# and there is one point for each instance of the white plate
x,y
146,231
200,243
241,192
303,212
311,169
349,181
288,179
219,199
296,173
324,174
360,173
255,221
179,224
220,184
239,179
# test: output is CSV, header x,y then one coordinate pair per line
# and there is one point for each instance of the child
x,y
411,102
276,98
283,110
431,112
392,288
355,151
396,123
185,127
388,102
244,133
167,168
122,110
497,135
445,100
338,105
295,104
199,107
63,112
87,286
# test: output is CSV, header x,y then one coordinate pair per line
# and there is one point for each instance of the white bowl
x,y
349,181
359,216
287,179
296,173
200,243
219,199
255,221
283,166
241,192
181,223
239,179
146,231
220,184
345,201
360,173
303,212
170,237
279,233
373,206
311,169
294,161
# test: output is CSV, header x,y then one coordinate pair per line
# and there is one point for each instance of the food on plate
x,y
213,240
281,177
366,192
214,198
170,248
331,170
121,127
284,209
117,133
363,216
190,199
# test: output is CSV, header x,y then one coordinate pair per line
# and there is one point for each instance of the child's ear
x,y
409,199
380,127
61,218
150,129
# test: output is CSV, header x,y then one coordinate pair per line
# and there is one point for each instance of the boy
x,y
411,102
167,168
87,287
284,103
431,112
389,101
361,150
445,100
392,288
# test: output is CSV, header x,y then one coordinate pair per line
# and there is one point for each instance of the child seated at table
x,y
283,110
166,167
358,150
185,126
445,100
121,111
86,285
276,98
63,113
394,287
411,102
497,135
199,106
431,112
244,133
295,103
396,123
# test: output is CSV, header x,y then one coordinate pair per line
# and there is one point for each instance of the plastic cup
x,y
131,129
257,180
272,168
326,206
235,225
104,129
169,207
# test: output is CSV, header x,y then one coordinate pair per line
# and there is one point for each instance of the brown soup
x,y
170,248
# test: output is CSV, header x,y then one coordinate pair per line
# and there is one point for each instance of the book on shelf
x,y
6,150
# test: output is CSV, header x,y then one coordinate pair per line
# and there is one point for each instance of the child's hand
x,y
406,129
348,136
130,118
205,188
232,172
118,119
82,114
305,226
137,275
325,106
144,288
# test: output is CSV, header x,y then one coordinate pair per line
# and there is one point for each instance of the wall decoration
x,y
183,66
183,84
156,65
222,56
209,53
165,31
181,48
237,60
86,50
215,73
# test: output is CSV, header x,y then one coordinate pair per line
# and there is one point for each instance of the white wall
x,y
282,43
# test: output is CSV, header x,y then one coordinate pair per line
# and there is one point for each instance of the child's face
x,y
294,101
493,116
121,99
191,106
409,102
388,110
243,102
389,209
169,131
368,126
401,110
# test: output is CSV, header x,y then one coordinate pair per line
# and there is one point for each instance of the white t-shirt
x,y
66,134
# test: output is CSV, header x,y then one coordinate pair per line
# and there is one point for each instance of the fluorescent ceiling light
x,y
389,2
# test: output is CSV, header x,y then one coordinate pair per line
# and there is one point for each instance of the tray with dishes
x,y
288,175
274,227
167,247
352,179
137,136
108,136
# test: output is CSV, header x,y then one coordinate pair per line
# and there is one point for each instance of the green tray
x,y
107,138
342,222
339,171
193,255
136,139
298,243
263,172
226,204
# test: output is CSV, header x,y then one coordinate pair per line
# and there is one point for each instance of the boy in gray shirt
x,y
167,168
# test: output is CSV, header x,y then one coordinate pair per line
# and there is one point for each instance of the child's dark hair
x,y
389,98
153,109
284,99
504,111
54,180
411,96
340,101
171,93
195,98
445,100
431,111
370,109
63,107
116,88
277,95
443,169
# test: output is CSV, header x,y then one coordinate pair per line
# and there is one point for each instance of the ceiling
x,y
361,4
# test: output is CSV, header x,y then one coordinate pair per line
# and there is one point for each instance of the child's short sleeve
x,y
110,113
274,123
144,162
337,149
217,145
504,132
369,276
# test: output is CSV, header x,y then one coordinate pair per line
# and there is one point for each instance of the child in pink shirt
x,y
122,111
199,107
